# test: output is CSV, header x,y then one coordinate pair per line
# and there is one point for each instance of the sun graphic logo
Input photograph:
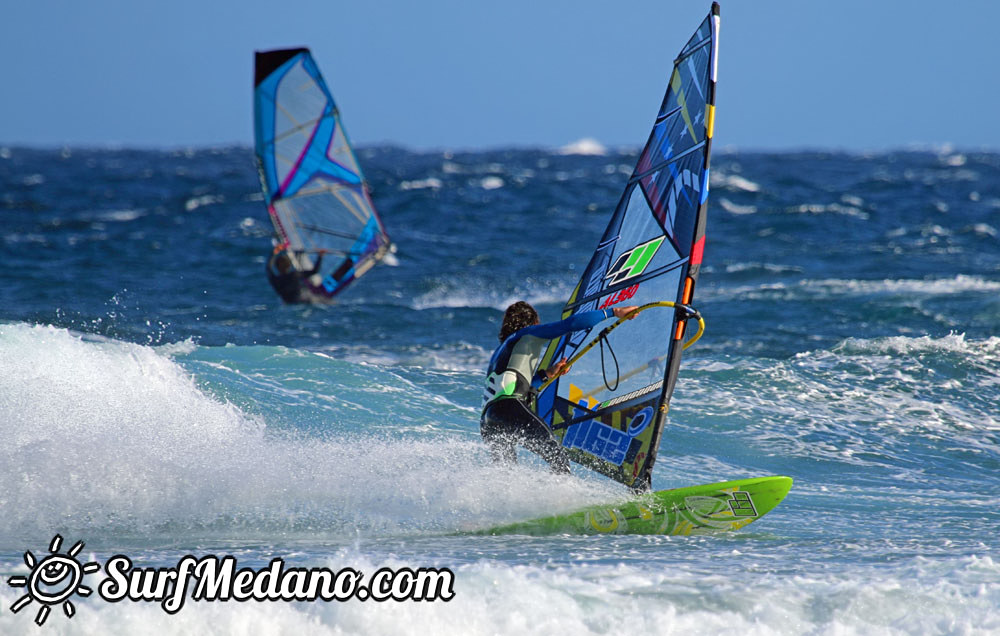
x,y
53,580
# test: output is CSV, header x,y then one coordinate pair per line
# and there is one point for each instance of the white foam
x,y
733,181
194,203
954,161
831,208
863,403
431,183
585,146
460,356
181,347
491,183
909,596
955,343
111,437
939,286
772,268
120,216
491,297
827,287
734,208
984,229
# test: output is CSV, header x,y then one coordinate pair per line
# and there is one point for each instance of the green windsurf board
x,y
708,508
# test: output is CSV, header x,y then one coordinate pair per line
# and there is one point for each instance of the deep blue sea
x,y
157,399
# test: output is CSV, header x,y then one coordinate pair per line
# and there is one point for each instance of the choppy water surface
x,y
156,399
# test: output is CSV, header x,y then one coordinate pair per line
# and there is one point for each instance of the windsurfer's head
x,y
283,263
517,317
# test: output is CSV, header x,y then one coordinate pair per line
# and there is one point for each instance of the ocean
x,y
157,399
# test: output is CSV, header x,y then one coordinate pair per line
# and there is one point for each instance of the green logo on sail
x,y
633,262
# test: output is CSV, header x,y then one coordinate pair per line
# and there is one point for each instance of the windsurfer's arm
x,y
315,269
576,322
584,320
543,375
626,312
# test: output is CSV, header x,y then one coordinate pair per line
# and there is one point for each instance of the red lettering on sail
x,y
620,296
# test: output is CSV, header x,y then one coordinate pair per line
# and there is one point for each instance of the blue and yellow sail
x,y
316,194
609,411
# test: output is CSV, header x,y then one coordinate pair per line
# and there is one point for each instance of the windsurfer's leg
x,y
509,422
498,434
537,438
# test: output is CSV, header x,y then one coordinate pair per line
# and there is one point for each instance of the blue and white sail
x,y
316,194
609,411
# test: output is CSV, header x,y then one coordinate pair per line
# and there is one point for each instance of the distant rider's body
x,y
287,280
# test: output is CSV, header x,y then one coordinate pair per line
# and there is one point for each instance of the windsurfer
x,y
507,419
287,280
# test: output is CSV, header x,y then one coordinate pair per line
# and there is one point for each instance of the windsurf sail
x,y
316,194
609,411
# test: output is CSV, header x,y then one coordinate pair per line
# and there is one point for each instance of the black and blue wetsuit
x,y
289,284
511,380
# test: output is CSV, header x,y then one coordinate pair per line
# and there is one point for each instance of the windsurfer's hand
x,y
626,312
557,370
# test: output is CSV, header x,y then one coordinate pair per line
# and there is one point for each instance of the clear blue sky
x,y
850,74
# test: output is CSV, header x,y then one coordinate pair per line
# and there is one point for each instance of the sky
x,y
851,75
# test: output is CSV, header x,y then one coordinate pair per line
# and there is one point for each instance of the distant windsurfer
x,y
511,380
287,280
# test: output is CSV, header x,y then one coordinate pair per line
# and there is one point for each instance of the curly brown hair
x,y
517,317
